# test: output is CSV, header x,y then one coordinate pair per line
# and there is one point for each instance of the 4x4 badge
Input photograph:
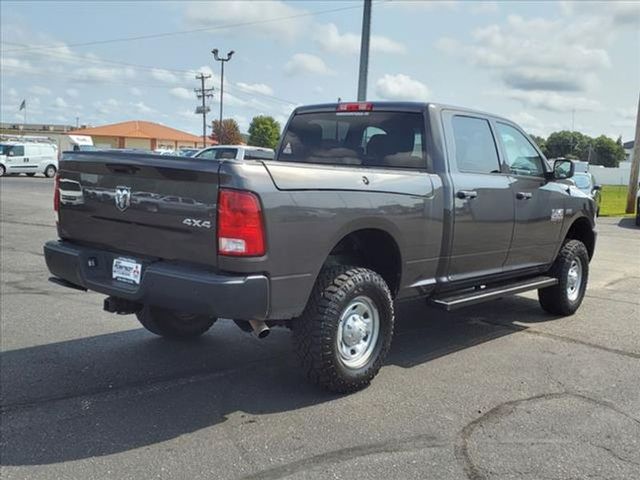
x,y
123,198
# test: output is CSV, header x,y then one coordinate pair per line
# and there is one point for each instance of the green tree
x,y
230,134
607,152
564,144
264,131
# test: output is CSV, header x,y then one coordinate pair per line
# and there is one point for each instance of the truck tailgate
x,y
142,204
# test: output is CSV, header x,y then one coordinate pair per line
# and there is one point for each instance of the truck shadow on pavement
x,y
112,393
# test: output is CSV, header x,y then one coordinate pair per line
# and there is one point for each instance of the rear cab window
x,y
384,139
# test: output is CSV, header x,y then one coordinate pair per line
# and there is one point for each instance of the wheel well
x,y
581,230
370,248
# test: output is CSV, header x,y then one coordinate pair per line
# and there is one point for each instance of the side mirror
x,y
597,187
563,169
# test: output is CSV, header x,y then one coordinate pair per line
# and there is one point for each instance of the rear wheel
x,y
2,170
571,268
345,331
50,171
172,324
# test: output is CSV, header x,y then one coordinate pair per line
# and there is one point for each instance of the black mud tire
x,y
315,332
171,324
555,299
50,171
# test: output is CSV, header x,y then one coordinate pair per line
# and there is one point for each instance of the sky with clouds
x,y
542,64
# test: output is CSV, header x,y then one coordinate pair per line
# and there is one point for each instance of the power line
x,y
183,32
203,93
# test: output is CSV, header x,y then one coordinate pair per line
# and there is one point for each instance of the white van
x,y
29,158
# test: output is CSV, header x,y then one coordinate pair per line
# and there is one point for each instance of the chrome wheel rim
x,y
574,280
358,332
50,172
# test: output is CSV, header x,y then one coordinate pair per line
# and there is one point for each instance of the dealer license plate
x,y
126,270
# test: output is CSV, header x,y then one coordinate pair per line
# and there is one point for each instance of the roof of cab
x,y
398,106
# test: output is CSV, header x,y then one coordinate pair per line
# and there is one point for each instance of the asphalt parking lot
x,y
498,391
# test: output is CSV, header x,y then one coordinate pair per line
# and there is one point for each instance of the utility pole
x,y
203,93
635,167
222,61
364,51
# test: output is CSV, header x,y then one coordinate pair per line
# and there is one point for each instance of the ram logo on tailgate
x,y
123,198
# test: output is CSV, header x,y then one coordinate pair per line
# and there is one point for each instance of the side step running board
x,y
455,300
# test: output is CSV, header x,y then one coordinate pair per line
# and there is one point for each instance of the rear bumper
x,y
163,284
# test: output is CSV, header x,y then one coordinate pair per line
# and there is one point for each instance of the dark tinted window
x,y
475,148
258,155
373,139
521,157
222,153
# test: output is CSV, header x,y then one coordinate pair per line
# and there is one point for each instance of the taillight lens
x,y
355,107
56,195
240,226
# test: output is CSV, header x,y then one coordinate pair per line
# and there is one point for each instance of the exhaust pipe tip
x,y
260,329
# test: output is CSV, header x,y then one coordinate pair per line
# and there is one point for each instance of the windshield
x,y
380,139
582,181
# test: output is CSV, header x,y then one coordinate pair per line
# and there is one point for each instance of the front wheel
x,y
50,171
571,268
172,324
345,332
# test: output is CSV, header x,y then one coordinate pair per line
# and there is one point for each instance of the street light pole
x,y
364,51
222,61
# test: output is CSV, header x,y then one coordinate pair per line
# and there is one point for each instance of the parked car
x,y
188,152
28,157
638,207
237,152
364,205
586,183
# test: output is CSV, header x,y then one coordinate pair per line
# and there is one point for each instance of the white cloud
x,y
538,53
72,92
140,107
218,14
181,93
39,90
484,7
552,101
104,74
164,76
105,107
302,63
330,39
135,91
15,66
627,113
530,123
425,4
401,87
255,88
59,102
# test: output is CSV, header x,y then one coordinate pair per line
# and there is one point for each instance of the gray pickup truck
x,y
364,205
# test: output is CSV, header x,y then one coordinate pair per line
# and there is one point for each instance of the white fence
x,y
612,176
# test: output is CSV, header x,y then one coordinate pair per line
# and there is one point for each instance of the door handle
x,y
462,194
523,195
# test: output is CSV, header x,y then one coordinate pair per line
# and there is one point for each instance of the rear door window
x,y
369,139
475,147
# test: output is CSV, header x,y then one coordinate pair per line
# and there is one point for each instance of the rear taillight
x,y
56,195
240,226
